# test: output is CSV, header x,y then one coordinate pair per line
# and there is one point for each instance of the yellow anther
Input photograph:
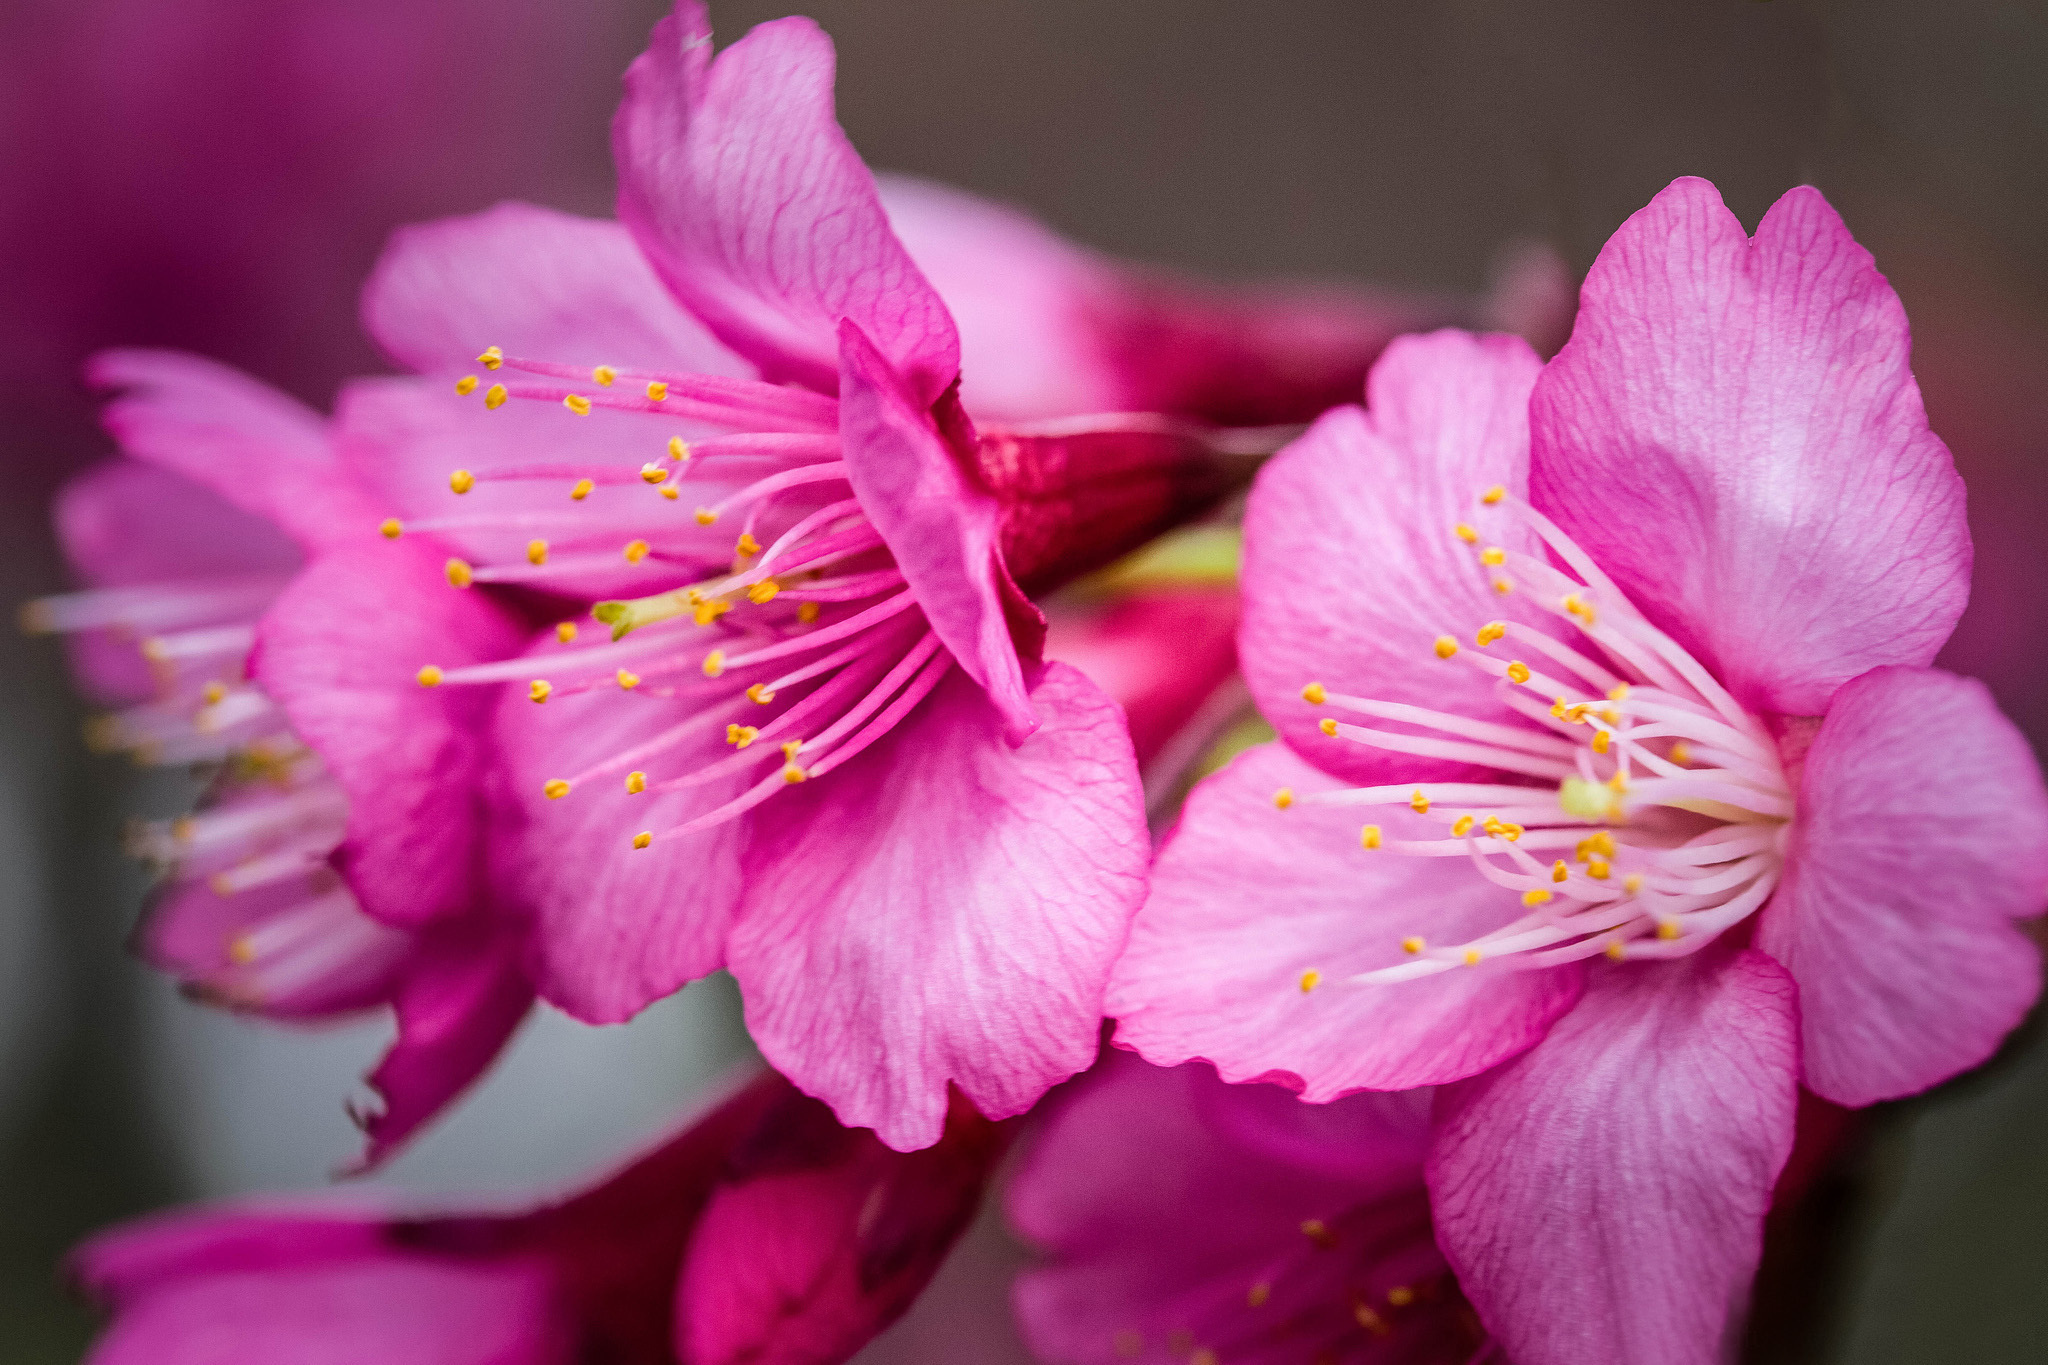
x,y
460,575
636,782
1413,944
709,610
1488,633
628,679
1466,533
1509,831
793,774
1559,872
581,490
653,473
1518,672
1598,870
1472,957
714,663
1328,726
392,528
746,547
461,481
1668,929
1400,1296
763,592
1462,826
565,631
539,689
657,390
1493,495
555,789
604,374
1314,694
1610,715
1317,1231
1369,837
536,552
1574,604
577,403
1283,798
1369,1320
790,748
492,358
671,492
1445,646
1493,556
1503,585
1601,742
1601,842
495,396
1618,782
1616,951
1535,896
1309,981
1575,714
215,692
759,693
1632,883
740,736
1256,1296
678,449
635,551
430,676
808,612
1557,709
642,839
1618,692
1681,755
1419,803
466,385
705,516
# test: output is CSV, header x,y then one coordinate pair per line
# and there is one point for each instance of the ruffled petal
x,y
1734,434
535,283
737,182
941,528
339,650
1602,1196
945,909
1246,899
1352,568
1922,835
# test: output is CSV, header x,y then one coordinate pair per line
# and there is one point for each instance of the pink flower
x,y
765,1233
1189,1220
1616,670
229,486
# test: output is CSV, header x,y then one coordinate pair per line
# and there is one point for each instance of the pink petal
x,y
189,933
1602,1196
1922,834
616,927
941,528
1247,898
1352,569
340,651
1734,434
1162,655
259,449
537,284
749,201
944,909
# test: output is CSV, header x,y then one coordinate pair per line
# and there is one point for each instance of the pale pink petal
x,y
1248,898
1922,835
340,651
536,284
945,908
942,529
1602,1196
1734,434
1352,566
737,182
190,935
261,450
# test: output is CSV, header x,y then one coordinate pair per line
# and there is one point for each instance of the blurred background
x,y
218,175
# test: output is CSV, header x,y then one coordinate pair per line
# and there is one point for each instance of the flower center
x,y
1638,810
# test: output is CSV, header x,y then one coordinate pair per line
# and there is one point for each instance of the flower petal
x,y
1922,834
1162,655
191,933
1734,434
942,529
1352,568
1602,1196
535,283
1247,898
737,182
945,909
339,651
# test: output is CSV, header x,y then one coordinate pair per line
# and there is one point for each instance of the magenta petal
x,y
189,934
261,450
339,650
1246,898
1602,1196
1352,568
751,204
1734,434
1922,834
945,908
534,283
942,528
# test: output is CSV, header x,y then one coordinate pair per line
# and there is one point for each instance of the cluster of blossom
x,y
679,612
